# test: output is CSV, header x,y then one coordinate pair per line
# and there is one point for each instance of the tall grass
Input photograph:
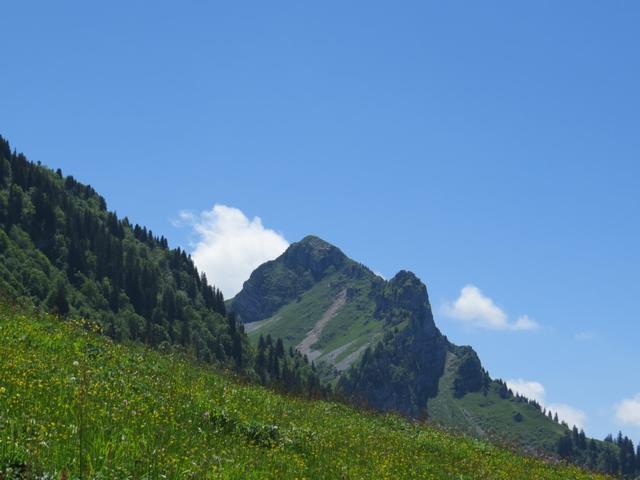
x,y
75,405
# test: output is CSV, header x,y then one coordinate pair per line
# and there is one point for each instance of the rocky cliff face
x,y
404,298
401,371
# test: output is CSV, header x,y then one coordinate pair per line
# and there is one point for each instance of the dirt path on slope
x,y
313,335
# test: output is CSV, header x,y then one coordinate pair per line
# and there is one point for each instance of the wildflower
x,y
76,363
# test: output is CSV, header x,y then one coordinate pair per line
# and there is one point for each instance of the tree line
x,y
616,456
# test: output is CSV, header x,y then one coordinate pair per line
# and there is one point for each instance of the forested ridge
x,y
63,250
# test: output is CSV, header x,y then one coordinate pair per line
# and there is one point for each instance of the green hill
x,y
75,405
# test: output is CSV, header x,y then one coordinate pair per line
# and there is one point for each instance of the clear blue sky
x,y
482,143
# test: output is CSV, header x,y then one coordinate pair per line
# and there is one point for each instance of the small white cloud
x,y
533,390
476,309
230,246
536,391
628,411
473,307
525,323
184,218
585,336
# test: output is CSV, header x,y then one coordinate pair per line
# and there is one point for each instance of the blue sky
x,y
481,144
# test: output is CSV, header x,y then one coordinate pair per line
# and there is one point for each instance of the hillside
x,y
378,343
74,404
61,247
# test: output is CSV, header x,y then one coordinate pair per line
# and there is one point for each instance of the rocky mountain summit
x,y
379,337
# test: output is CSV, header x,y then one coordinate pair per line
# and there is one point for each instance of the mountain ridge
x,y
377,342
396,310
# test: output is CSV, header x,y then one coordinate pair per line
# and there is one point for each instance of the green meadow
x,y
73,404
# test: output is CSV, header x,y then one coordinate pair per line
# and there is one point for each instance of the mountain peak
x,y
275,283
405,290
314,243
315,255
404,276
314,240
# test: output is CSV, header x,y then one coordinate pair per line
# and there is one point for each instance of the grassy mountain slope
x,y
312,280
351,326
490,415
73,404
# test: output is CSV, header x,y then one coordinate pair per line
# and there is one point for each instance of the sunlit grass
x,y
74,405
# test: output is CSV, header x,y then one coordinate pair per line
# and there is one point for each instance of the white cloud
x,y
230,246
477,310
184,218
536,391
525,323
569,414
530,389
628,411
